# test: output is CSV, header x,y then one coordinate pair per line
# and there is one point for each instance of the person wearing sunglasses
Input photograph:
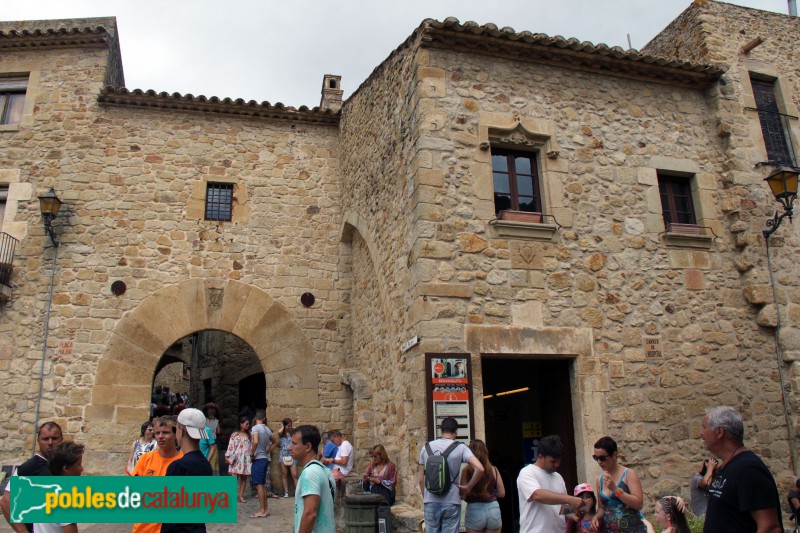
x,y
620,503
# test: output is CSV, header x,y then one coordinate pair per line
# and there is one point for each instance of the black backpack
x,y
437,472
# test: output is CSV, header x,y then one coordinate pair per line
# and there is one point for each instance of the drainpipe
x,y
779,360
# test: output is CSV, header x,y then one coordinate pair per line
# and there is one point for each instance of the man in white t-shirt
x,y
343,462
542,491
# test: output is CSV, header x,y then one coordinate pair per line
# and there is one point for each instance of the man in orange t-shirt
x,y
155,463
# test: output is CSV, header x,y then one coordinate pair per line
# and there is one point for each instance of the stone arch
x,y
122,384
354,223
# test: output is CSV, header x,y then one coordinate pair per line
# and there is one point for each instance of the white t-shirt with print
x,y
345,450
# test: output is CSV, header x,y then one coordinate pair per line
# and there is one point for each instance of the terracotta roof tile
x,y
205,104
53,37
487,38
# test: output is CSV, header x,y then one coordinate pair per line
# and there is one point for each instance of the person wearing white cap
x,y
191,428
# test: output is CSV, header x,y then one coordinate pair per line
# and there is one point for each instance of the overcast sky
x,y
278,51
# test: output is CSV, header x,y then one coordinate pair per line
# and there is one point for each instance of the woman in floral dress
x,y
238,456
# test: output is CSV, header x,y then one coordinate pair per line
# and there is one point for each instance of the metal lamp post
x,y
783,183
49,204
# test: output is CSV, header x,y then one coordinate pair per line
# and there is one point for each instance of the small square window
x,y
676,200
12,99
219,201
516,182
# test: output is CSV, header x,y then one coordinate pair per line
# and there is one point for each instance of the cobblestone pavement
x,y
281,520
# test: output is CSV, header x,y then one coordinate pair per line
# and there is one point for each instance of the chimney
x,y
331,93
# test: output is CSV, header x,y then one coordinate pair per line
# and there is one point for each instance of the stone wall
x,y
746,203
171,376
128,177
380,234
609,268
389,221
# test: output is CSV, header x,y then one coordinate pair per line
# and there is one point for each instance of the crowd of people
x,y
734,489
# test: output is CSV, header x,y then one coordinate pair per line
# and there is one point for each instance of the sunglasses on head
x,y
600,458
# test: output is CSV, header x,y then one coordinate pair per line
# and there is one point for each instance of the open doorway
x,y
526,399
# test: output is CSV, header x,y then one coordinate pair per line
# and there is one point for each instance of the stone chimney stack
x,y
331,93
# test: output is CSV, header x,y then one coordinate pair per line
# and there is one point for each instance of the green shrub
x,y
695,523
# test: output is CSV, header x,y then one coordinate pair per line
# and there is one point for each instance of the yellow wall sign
x,y
531,429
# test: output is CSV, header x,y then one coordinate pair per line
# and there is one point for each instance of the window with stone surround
x,y
676,200
12,99
516,181
773,122
219,201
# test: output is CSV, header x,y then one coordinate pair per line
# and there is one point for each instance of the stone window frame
x,y
17,193
703,187
510,131
196,205
221,204
31,70
784,96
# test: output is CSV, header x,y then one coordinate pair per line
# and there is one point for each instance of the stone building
x,y
297,250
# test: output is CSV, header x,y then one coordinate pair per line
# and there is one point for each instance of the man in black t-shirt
x,y
742,496
48,437
191,428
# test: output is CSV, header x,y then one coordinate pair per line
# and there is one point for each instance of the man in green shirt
x,y
315,493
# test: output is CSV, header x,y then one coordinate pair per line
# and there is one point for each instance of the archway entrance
x,y
216,367
123,385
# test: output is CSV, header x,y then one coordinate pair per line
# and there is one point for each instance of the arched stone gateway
x,y
122,387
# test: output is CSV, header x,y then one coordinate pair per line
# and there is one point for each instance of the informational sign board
x,y
449,392
531,433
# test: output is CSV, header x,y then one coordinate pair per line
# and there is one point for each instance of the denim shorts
x,y
442,517
259,471
482,516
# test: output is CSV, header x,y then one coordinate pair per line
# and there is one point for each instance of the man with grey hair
x,y
742,496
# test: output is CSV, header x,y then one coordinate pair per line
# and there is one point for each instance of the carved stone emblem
x,y
215,297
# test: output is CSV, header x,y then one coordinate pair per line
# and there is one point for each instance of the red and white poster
x,y
449,392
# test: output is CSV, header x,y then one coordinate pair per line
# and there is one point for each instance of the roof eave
x,y
39,39
123,97
569,53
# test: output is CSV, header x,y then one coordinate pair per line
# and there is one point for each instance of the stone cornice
x,y
212,105
55,38
570,53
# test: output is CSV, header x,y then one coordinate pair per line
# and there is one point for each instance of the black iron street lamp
x,y
49,204
783,183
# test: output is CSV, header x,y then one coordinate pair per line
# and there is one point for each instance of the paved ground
x,y
281,520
